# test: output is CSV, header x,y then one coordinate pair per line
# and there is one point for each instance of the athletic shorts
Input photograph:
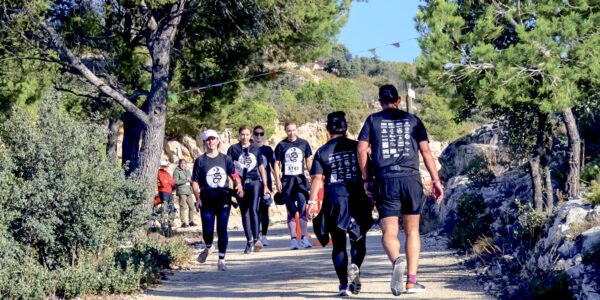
x,y
398,194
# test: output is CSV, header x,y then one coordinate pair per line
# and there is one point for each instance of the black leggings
x,y
249,209
208,214
358,250
264,217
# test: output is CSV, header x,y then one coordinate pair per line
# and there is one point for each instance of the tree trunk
x,y
114,124
536,180
409,100
549,204
132,131
574,155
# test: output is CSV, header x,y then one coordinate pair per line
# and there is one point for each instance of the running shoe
x,y
264,241
413,288
305,243
204,254
258,245
343,291
221,265
192,224
397,284
354,279
249,248
294,244
184,225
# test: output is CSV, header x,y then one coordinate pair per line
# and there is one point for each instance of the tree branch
x,y
75,62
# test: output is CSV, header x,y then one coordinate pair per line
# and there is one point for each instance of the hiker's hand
x,y
438,192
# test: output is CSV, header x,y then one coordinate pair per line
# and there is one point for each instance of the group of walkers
x,y
381,169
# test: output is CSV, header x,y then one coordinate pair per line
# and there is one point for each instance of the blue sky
x,y
380,22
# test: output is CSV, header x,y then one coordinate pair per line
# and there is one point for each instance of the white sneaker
x,y
264,241
294,244
305,243
397,284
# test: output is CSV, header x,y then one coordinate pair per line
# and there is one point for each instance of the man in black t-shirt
x,y
395,137
292,157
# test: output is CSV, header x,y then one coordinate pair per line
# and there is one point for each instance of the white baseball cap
x,y
209,133
164,164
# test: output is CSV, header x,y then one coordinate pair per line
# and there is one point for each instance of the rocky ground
x,y
278,272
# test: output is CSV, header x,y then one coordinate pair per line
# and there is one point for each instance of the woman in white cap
x,y
246,157
213,197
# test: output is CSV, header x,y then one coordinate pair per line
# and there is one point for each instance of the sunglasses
x,y
259,133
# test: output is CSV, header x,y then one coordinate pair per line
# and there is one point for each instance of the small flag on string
x,y
217,85
372,50
397,45
273,74
319,63
348,56
173,97
197,90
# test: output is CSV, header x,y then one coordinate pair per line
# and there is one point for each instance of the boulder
x,y
591,241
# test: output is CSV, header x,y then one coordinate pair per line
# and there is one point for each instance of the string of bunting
x,y
175,98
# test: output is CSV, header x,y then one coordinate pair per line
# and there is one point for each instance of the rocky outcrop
x,y
527,252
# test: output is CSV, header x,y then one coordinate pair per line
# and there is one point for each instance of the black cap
x,y
336,122
388,94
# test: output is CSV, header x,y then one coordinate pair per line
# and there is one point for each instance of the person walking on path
x,y
346,208
246,157
395,137
165,193
292,158
213,197
183,184
267,157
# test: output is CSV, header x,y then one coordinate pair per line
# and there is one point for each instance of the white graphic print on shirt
x,y
245,161
216,177
293,161
395,135
343,166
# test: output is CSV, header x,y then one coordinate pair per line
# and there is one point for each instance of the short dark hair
x,y
244,127
258,127
288,123
388,94
336,123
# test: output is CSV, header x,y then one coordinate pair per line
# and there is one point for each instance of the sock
x,y
411,278
208,246
221,255
293,238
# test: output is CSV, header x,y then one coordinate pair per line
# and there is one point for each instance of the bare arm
x,y
363,156
196,190
438,191
317,181
263,176
277,172
308,162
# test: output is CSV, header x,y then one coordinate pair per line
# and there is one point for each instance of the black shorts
x,y
398,194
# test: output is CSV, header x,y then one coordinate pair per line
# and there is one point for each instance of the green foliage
x,y
593,194
252,111
472,222
478,171
530,222
439,119
554,285
591,170
69,199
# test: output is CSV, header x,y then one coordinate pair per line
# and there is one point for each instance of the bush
x,y
472,222
593,194
591,170
530,222
479,172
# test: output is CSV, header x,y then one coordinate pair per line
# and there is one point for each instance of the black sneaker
x,y
249,248
192,224
354,279
184,225
413,288
343,291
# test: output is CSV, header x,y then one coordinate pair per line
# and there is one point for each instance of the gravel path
x,y
277,272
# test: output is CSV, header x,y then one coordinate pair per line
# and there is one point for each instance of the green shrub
x,y
472,222
479,172
591,170
593,194
530,222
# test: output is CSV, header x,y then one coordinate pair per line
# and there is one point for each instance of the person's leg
x,y
255,201
302,215
183,209
339,255
264,218
191,203
389,237
208,226
358,250
222,221
291,216
245,213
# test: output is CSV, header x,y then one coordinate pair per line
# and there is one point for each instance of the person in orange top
x,y
165,192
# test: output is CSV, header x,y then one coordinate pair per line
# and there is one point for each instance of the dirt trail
x,y
277,272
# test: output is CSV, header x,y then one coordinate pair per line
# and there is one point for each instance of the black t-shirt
x,y
292,156
267,156
212,173
394,136
336,160
246,160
